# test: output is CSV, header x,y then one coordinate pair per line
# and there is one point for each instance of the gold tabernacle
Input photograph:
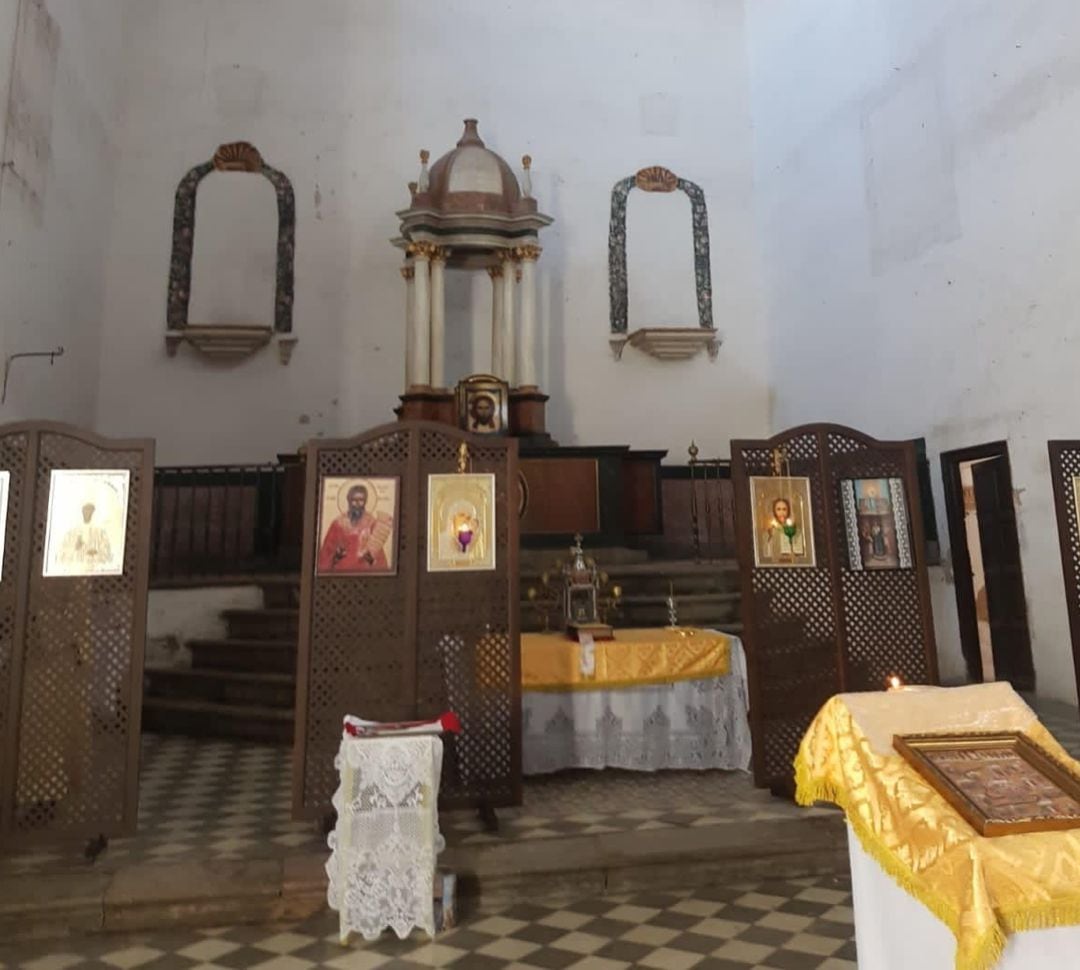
x,y
1001,782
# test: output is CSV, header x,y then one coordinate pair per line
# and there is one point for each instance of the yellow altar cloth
x,y
635,658
981,888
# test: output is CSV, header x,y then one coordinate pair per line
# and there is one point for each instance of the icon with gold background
x,y
461,522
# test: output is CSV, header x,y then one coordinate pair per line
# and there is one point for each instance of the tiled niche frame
x,y
671,343
228,341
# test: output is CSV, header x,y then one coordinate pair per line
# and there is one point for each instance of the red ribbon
x,y
448,722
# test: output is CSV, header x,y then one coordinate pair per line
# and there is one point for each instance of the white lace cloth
x,y
690,724
383,848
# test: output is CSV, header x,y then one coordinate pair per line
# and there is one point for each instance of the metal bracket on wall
x,y
51,354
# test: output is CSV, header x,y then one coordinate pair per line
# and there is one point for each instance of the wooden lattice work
x,y
416,643
72,649
812,632
1064,471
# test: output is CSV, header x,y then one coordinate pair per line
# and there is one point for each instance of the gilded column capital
x,y
495,272
440,254
507,256
528,252
421,250
408,272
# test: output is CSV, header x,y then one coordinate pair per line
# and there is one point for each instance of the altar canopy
x,y
982,889
470,212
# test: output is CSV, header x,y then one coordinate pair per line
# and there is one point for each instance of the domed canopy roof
x,y
470,201
472,178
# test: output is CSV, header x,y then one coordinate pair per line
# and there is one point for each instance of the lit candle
x,y
895,683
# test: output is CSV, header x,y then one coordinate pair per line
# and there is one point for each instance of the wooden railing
x,y
225,522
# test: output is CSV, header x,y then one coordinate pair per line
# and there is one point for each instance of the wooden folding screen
x,y
71,649
812,632
1064,471
415,643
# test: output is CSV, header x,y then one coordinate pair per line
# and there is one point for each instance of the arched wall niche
x,y
666,343
227,341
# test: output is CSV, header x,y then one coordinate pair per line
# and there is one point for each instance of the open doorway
x,y
988,577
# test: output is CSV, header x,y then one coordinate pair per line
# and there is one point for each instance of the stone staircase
x,y
243,685
706,593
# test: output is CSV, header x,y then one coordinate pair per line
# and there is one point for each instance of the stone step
x,y
278,623
281,593
261,689
199,718
686,578
158,895
260,656
537,560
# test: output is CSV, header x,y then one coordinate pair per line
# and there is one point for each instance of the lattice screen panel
x,y
13,459
884,623
418,643
1064,470
467,643
80,651
812,632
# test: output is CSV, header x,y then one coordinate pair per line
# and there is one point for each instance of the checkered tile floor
x,y
803,924
230,800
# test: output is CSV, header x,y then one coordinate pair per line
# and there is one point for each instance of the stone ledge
x,y
213,893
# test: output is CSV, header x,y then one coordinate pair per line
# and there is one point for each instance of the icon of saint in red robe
x,y
356,540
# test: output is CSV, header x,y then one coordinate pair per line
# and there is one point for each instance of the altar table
x,y
649,700
929,892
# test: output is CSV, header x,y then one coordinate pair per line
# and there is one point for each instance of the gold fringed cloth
x,y
635,658
981,888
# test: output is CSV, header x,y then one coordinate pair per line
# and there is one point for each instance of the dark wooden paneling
x,y
641,495
563,495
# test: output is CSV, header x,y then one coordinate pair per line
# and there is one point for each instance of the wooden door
x,y
1006,605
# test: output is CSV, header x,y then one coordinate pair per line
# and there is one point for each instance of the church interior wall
x,y
60,97
341,96
891,189
918,197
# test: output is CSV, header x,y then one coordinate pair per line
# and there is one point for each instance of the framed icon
x,y
483,405
86,526
5,488
783,521
461,523
358,527
876,523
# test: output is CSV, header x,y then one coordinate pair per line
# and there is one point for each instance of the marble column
x,y
420,362
438,316
509,353
407,273
497,283
526,371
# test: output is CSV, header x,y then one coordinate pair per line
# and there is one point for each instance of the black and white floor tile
x,y
203,799
801,924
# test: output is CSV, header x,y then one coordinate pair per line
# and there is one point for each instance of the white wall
x,y
341,95
918,183
174,617
60,97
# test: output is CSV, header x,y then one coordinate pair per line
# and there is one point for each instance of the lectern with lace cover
x,y
384,845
